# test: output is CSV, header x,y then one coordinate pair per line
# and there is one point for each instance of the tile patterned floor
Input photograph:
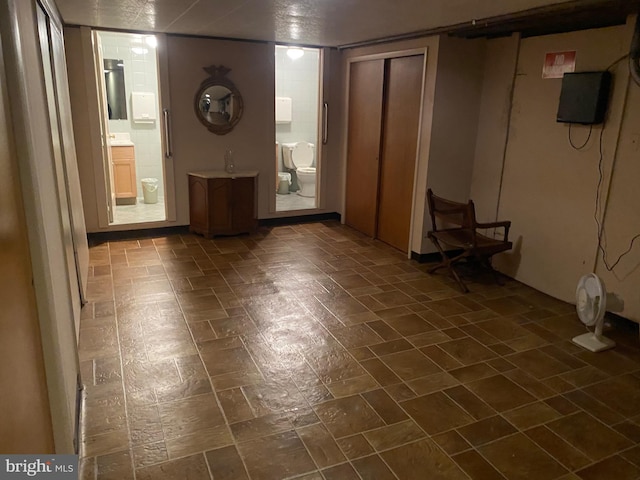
x,y
312,352
139,213
293,201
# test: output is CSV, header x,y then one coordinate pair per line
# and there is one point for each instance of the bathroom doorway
x,y
127,75
298,133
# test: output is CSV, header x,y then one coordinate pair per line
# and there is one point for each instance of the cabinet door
x,y
220,213
243,204
198,205
124,172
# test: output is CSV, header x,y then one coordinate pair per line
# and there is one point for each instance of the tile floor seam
x,y
517,431
206,462
213,390
124,389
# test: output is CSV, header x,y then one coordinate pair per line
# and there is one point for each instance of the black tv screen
x,y
584,97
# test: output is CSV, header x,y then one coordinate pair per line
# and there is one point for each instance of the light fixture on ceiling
x,y
151,41
295,53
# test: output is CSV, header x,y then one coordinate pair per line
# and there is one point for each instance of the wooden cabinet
x,y
221,203
124,174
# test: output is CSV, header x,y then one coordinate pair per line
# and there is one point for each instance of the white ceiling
x,y
309,22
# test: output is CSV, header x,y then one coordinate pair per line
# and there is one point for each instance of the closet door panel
x,y
398,151
363,145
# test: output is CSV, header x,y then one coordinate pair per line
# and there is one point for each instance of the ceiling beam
x,y
557,18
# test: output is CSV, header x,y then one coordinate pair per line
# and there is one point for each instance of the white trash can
x,y
283,184
150,190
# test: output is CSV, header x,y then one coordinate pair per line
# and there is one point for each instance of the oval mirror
x,y
218,103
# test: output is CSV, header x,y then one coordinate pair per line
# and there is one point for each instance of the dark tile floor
x,y
312,352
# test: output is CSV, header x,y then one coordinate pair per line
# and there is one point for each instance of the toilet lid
x,y
303,154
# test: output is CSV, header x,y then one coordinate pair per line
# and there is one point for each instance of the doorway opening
x,y
127,74
298,142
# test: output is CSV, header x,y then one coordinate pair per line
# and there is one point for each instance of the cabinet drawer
x,y
122,153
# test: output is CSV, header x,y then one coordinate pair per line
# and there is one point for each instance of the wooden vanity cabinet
x,y
124,174
222,203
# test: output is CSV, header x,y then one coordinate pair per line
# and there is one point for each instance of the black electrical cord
x,y
585,142
601,228
617,61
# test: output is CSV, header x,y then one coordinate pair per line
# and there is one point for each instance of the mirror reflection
x,y
114,84
216,104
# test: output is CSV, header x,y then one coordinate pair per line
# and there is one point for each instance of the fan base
x,y
594,343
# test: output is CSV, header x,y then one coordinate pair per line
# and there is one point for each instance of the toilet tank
x,y
287,157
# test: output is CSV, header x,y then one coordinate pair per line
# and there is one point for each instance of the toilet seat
x,y
302,155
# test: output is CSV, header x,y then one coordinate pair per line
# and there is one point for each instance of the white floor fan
x,y
592,301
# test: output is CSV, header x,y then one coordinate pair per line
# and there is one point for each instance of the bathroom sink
x,y
120,140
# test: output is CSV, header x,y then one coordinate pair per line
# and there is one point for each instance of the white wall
x,y
495,109
299,80
140,75
549,189
455,118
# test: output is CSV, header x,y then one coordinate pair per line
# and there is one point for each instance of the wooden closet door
x,y
398,153
363,144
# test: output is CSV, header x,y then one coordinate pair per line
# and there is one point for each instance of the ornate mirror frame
x,y
218,78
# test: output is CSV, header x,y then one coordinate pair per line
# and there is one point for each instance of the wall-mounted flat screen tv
x,y
584,97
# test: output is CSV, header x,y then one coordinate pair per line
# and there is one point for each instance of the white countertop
x,y
120,139
224,174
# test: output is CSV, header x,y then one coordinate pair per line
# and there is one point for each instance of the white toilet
x,y
299,157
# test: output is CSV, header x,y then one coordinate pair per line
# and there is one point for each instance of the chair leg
x,y
447,262
463,287
487,263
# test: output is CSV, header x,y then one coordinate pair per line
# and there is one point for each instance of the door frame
x,y
105,135
93,97
46,235
321,134
419,179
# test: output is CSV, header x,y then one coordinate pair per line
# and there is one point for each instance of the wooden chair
x,y
460,232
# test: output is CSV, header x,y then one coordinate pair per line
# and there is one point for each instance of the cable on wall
x,y
585,142
602,243
601,228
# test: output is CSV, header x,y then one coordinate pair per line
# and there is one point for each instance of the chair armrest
x,y
506,224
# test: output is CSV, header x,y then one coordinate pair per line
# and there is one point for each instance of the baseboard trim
x,y
97,238
279,221
78,417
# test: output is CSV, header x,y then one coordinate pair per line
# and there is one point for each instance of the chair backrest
x,y
451,213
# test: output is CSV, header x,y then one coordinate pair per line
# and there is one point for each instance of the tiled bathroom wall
x,y
299,80
140,75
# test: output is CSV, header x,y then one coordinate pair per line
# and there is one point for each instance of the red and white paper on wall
x,y
556,64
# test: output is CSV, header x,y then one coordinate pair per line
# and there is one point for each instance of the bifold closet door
x,y
363,145
401,116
